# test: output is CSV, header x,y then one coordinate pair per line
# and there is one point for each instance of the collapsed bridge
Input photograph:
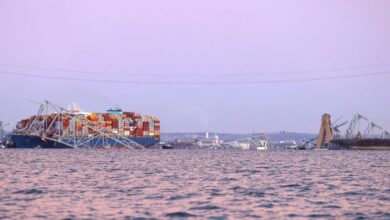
x,y
361,131
56,127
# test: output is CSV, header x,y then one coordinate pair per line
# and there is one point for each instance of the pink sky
x,y
193,41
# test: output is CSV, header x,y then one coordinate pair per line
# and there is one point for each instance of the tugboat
x,y
166,147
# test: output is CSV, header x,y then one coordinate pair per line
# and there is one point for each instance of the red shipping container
x,y
106,117
23,123
65,123
140,132
128,114
146,126
115,123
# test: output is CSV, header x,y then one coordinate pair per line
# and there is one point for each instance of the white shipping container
x,y
72,125
58,125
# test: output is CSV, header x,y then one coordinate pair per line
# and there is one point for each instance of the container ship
x,y
76,129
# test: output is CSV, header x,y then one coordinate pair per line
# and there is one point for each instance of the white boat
x,y
262,145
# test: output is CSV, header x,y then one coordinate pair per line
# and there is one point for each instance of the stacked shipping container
x,y
124,123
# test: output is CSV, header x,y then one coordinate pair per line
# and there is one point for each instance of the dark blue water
x,y
155,184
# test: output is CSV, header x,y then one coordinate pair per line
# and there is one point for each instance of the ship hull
x,y
30,141
360,144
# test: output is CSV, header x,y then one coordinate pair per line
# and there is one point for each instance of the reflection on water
x,y
56,184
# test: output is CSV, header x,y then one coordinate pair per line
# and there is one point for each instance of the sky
x,y
222,65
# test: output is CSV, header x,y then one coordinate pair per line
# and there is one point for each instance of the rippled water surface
x,y
120,184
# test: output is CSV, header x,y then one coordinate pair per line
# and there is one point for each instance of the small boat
x,y
262,145
166,147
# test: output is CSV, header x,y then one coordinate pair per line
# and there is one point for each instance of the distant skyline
x,y
220,66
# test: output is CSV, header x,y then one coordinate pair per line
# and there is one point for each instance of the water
x,y
147,184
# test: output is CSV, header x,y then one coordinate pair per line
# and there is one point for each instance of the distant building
x,y
208,142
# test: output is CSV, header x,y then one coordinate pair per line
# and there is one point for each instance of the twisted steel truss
x,y
372,130
49,121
